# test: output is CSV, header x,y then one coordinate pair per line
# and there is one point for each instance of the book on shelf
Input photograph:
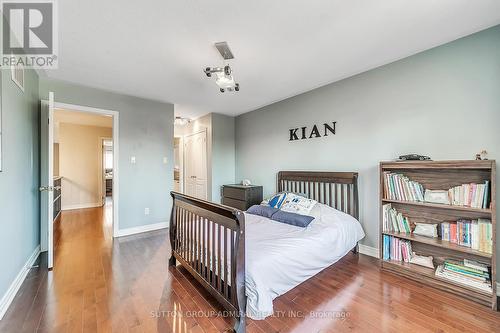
x,y
399,187
470,195
396,249
393,221
466,272
476,234
477,265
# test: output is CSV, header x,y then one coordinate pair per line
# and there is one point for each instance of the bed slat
x,y
226,286
336,189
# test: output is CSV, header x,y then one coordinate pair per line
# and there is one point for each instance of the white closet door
x,y
195,165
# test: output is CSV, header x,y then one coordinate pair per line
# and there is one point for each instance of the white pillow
x,y
298,204
291,202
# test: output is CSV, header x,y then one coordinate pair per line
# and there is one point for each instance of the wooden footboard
x,y
209,241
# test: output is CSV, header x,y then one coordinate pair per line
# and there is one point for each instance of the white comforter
x,y
280,256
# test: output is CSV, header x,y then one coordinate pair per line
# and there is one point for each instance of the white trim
x,y
102,180
498,288
116,157
141,229
181,162
50,193
368,250
82,206
9,295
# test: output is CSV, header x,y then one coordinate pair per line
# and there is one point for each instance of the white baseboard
x,y
82,206
368,250
18,281
141,229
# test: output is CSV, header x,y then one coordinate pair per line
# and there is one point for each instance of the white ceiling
x,y
157,48
82,118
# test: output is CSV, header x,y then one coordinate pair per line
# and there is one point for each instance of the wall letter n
x,y
329,128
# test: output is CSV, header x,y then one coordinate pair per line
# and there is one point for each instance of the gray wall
x,y
444,103
19,179
146,131
223,153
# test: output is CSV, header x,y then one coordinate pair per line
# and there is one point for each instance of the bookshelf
x,y
441,175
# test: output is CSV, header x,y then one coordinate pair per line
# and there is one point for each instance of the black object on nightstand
x,y
240,196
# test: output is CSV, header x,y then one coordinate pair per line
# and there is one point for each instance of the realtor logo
x,y
29,35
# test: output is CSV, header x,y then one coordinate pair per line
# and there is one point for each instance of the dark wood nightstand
x,y
241,197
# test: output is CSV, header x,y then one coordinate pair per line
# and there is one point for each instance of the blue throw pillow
x,y
264,211
292,218
277,200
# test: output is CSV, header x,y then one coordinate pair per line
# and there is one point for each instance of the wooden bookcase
x,y
442,175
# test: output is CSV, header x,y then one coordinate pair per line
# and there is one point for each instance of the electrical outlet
x,y
146,211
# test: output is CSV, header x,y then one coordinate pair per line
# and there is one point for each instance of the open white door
x,y
47,178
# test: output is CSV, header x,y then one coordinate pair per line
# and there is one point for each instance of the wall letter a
x,y
315,132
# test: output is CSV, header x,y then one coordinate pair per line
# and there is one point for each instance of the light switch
x,y
132,159
146,211
165,160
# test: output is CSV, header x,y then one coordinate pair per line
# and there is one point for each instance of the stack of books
x,y
399,187
468,272
396,249
470,195
394,221
476,234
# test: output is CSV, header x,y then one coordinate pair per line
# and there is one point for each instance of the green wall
x,y
223,153
19,179
444,102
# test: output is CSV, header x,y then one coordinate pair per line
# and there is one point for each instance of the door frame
x,y
102,178
181,162
209,181
116,149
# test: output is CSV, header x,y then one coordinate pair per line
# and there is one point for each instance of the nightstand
x,y
241,197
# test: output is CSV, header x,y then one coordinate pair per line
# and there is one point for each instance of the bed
x,y
246,260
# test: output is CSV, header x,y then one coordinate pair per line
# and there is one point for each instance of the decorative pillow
x,y
264,211
292,218
276,200
291,202
298,204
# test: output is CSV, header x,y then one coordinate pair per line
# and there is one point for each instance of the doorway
x,y
74,195
195,165
106,179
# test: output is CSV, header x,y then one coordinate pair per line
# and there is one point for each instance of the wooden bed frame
x,y
203,233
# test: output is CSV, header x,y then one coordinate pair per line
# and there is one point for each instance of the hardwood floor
x,y
124,285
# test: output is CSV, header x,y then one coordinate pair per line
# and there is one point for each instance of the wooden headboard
x,y
335,189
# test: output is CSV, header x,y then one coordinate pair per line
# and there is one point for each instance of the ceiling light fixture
x,y
181,121
223,75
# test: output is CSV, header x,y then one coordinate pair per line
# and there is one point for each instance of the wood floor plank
x,y
125,285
